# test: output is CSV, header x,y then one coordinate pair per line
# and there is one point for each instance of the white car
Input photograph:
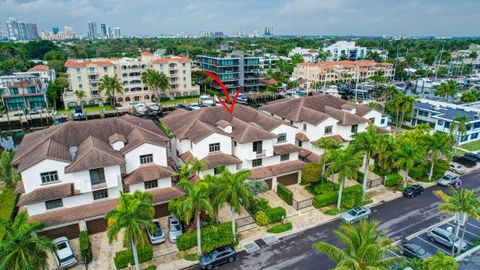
x,y
446,238
63,253
193,107
174,228
456,168
447,180
206,101
158,236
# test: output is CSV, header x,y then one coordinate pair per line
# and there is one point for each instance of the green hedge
x,y
257,205
280,228
285,193
325,199
275,214
392,179
212,238
150,267
85,247
352,193
124,257
418,172
325,187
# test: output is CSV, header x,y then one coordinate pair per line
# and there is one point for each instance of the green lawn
x,y
460,152
7,205
180,100
88,109
472,146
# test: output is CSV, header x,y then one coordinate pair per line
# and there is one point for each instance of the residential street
x,y
399,218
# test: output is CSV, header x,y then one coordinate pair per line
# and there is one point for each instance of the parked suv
x,y
475,156
446,238
174,228
456,168
413,190
63,253
218,256
447,180
465,161
356,214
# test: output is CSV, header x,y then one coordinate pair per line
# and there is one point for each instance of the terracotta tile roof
x,y
117,137
163,195
309,155
214,160
285,148
382,130
222,123
244,132
282,168
39,68
147,173
172,59
335,137
19,188
146,53
50,149
301,137
77,63
53,192
269,82
186,157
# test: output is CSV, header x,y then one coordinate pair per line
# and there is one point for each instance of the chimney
x,y
73,152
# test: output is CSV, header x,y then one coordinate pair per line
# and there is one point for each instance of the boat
x,y
140,108
331,90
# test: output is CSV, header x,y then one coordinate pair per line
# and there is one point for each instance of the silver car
x,y
447,180
63,253
446,238
156,237
174,228
355,214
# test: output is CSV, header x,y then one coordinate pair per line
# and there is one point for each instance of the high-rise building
x,y
17,30
22,27
32,32
118,33
67,33
92,30
12,28
55,30
268,31
109,32
103,30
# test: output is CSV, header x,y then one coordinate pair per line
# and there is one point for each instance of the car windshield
x,y
352,212
176,227
421,251
78,110
62,245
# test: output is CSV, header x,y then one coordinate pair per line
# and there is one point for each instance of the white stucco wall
x,y
132,158
162,183
201,148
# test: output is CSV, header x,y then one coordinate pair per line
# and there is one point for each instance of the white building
x,y
73,173
42,71
309,55
347,49
245,139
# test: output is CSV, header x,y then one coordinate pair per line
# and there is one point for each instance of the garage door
x,y
70,231
97,225
161,210
289,179
269,183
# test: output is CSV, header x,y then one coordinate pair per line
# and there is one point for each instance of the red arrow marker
x,y
227,97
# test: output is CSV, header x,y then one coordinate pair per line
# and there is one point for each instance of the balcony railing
x,y
261,153
100,185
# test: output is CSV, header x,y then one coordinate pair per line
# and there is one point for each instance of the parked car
x,y
158,236
193,107
413,190
414,251
36,110
474,156
63,253
356,214
217,257
447,180
465,161
206,101
174,228
241,99
456,168
446,238
181,106
60,120
78,113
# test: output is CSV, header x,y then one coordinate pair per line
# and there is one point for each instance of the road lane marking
x,y
467,231
435,245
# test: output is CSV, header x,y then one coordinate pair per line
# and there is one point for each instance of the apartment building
x,y
23,92
332,72
73,173
309,55
84,75
323,116
347,50
236,71
42,71
439,115
269,61
245,139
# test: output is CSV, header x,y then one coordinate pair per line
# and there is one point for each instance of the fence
x,y
302,204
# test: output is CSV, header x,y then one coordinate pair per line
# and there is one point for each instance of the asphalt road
x,y
399,218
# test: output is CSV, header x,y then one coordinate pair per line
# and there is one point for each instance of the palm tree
x,y
196,201
440,144
345,163
450,88
111,86
440,261
463,203
459,128
366,143
80,95
134,214
8,173
328,145
21,247
156,81
404,105
235,193
386,146
405,154
364,249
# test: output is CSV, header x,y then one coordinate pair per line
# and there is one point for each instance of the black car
x,y
413,190
465,161
217,257
473,156
414,251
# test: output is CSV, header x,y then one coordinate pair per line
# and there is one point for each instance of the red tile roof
x,y
39,68
282,168
172,59
76,63
147,173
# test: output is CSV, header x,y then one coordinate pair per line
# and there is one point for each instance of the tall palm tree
x,y
364,249
111,86
405,154
440,261
404,105
328,145
386,146
133,214
8,173
235,193
440,144
450,88
366,143
195,202
80,95
152,79
463,203
459,127
21,247
345,163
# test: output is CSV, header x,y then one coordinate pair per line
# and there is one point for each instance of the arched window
x,y
120,99
147,97
127,99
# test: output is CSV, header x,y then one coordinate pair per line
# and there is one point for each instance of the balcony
x,y
261,153
98,185
92,71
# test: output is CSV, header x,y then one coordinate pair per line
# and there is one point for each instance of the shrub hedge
x,y
275,214
280,228
124,257
392,179
325,187
325,199
212,238
285,194
261,218
353,195
85,247
257,205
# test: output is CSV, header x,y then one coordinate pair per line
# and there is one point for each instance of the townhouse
x,y
44,72
73,173
85,74
245,139
23,91
323,116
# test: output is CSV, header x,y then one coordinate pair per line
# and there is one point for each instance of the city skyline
x,y
288,17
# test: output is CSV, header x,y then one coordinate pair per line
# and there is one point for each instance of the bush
x,y
325,199
257,186
258,204
261,218
311,173
285,193
150,267
325,187
332,211
418,172
392,179
359,177
124,257
348,201
85,247
280,228
187,240
212,237
191,257
439,169
276,214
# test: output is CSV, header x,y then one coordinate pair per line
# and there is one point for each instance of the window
x,y
214,147
78,70
382,121
284,157
474,136
257,146
464,138
371,120
476,125
146,158
13,91
100,194
97,176
53,204
305,126
151,184
218,170
105,69
282,137
328,130
440,122
49,177
447,124
354,128
257,162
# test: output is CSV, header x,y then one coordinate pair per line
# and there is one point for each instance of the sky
x,y
288,17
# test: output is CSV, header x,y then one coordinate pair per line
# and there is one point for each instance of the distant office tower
x,y
109,32
92,30
268,31
12,28
103,30
32,32
118,33
22,27
55,30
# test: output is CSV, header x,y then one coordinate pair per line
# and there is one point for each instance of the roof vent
x,y
73,152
